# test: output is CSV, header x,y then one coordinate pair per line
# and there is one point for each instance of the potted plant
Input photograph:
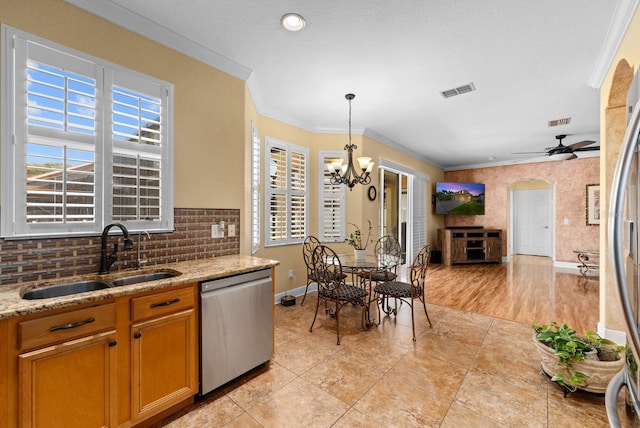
x,y
576,361
359,245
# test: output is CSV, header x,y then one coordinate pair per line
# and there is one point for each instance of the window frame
x,y
338,192
287,192
18,47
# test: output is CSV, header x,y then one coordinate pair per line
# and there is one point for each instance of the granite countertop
x,y
11,304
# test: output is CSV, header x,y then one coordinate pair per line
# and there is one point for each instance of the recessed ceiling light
x,y
292,22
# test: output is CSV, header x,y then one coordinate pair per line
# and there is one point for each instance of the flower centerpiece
x,y
359,245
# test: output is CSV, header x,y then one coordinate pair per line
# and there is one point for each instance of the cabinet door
x,y
459,253
164,363
494,249
72,384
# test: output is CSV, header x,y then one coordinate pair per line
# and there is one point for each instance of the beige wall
x,y
612,127
208,104
569,178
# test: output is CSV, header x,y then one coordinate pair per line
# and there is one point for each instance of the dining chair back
x,y
387,251
310,243
407,292
332,286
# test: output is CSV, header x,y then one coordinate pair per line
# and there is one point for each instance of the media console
x,y
470,245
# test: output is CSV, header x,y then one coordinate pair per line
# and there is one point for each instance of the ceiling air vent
x,y
559,122
458,91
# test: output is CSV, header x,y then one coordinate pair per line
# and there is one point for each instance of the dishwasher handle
x,y
216,284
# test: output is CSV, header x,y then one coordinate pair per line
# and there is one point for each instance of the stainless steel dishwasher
x,y
236,326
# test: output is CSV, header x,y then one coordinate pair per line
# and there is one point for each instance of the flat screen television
x,y
459,198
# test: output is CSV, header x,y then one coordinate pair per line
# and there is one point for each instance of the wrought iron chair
x,y
407,292
387,251
310,244
332,286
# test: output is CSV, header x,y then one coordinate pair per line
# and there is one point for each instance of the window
x,y
255,190
332,201
285,192
84,143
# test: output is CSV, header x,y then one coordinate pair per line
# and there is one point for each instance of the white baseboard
x,y
620,337
566,265
297,292
572,267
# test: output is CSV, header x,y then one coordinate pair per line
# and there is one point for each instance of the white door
x,y
532,222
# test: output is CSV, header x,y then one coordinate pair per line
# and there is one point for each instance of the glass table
x,y
363,269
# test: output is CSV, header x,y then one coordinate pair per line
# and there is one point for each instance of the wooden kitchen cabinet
x,y
122,362
164,363
67,369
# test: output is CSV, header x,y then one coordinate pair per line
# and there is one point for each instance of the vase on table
x,y
360,255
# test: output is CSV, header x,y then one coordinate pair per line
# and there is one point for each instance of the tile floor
x,y
469,370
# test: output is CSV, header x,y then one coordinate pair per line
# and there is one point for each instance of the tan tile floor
x,y
469,370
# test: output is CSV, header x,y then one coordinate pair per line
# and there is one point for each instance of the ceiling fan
x,y
562,152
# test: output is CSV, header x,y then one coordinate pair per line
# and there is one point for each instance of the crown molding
x,y
619,24
143,26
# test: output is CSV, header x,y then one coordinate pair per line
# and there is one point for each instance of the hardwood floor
x,y
528,289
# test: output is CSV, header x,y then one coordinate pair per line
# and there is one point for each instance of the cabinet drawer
x,y
61,327
161,303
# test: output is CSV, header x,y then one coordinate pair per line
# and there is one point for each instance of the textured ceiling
x,y
530,61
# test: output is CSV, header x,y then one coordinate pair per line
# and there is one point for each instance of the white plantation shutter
x,y
136,188
419,221
139,182
298,206
84,142
285,192
49,173
255,190
332,201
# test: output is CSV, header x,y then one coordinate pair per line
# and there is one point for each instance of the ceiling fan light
x,y
561,156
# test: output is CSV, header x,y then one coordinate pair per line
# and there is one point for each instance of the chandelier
x,y
347,174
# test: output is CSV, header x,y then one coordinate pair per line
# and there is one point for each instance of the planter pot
x,y
360,255
599,372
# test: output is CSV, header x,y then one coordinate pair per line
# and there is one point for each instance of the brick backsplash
x,y
52,258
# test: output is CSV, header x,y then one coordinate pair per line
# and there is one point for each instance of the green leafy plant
x,y
608,350
570,347
355,238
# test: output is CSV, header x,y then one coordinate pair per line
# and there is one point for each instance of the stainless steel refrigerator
x,y
623,249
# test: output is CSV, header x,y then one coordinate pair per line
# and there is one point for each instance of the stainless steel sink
x,y
65,289
143,277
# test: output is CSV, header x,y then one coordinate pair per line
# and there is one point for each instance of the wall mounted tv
x,y
459,198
